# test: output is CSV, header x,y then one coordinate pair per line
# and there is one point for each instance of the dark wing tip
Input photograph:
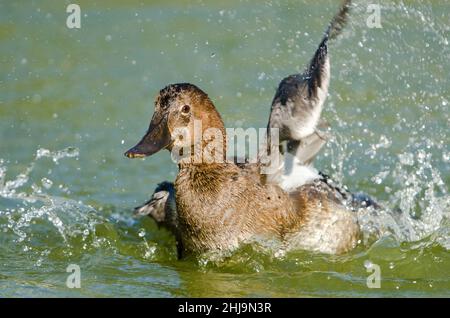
x,y
316,65
339,21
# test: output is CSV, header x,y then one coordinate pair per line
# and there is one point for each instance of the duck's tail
x,y
356,201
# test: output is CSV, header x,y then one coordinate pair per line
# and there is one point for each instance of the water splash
x,y
8,188
69,152
403,162
26,209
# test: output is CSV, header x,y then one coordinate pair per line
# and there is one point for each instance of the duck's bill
x,y
156,138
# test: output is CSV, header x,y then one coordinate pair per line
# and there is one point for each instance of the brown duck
x,y
218,204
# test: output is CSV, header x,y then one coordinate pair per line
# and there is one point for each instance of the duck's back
x,y
329,225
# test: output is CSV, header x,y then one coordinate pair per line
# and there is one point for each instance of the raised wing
x,y
299,99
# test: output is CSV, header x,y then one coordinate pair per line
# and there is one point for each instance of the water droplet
x,y
150,252
406,159
41,152
384,142
378,179
368,264
46,183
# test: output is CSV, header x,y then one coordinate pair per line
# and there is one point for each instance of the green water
x,y
72,101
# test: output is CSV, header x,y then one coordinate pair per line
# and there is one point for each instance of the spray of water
x,y
406,161
27,208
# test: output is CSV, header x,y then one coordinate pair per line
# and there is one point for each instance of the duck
x,y
217,205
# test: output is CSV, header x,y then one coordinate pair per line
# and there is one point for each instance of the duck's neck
x,y
203,179
200,193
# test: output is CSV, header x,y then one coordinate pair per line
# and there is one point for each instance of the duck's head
x,y
178,107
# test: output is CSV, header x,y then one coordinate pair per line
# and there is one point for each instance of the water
x,y
71,102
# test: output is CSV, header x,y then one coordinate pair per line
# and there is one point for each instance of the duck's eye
x,y
185,110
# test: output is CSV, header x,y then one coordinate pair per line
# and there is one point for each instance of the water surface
x,y
72,101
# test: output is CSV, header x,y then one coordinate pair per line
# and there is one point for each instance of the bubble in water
x,y
141,233
406,159
150,251
368,264
41,152
280,253
384,142
379,177
46,183
446,156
